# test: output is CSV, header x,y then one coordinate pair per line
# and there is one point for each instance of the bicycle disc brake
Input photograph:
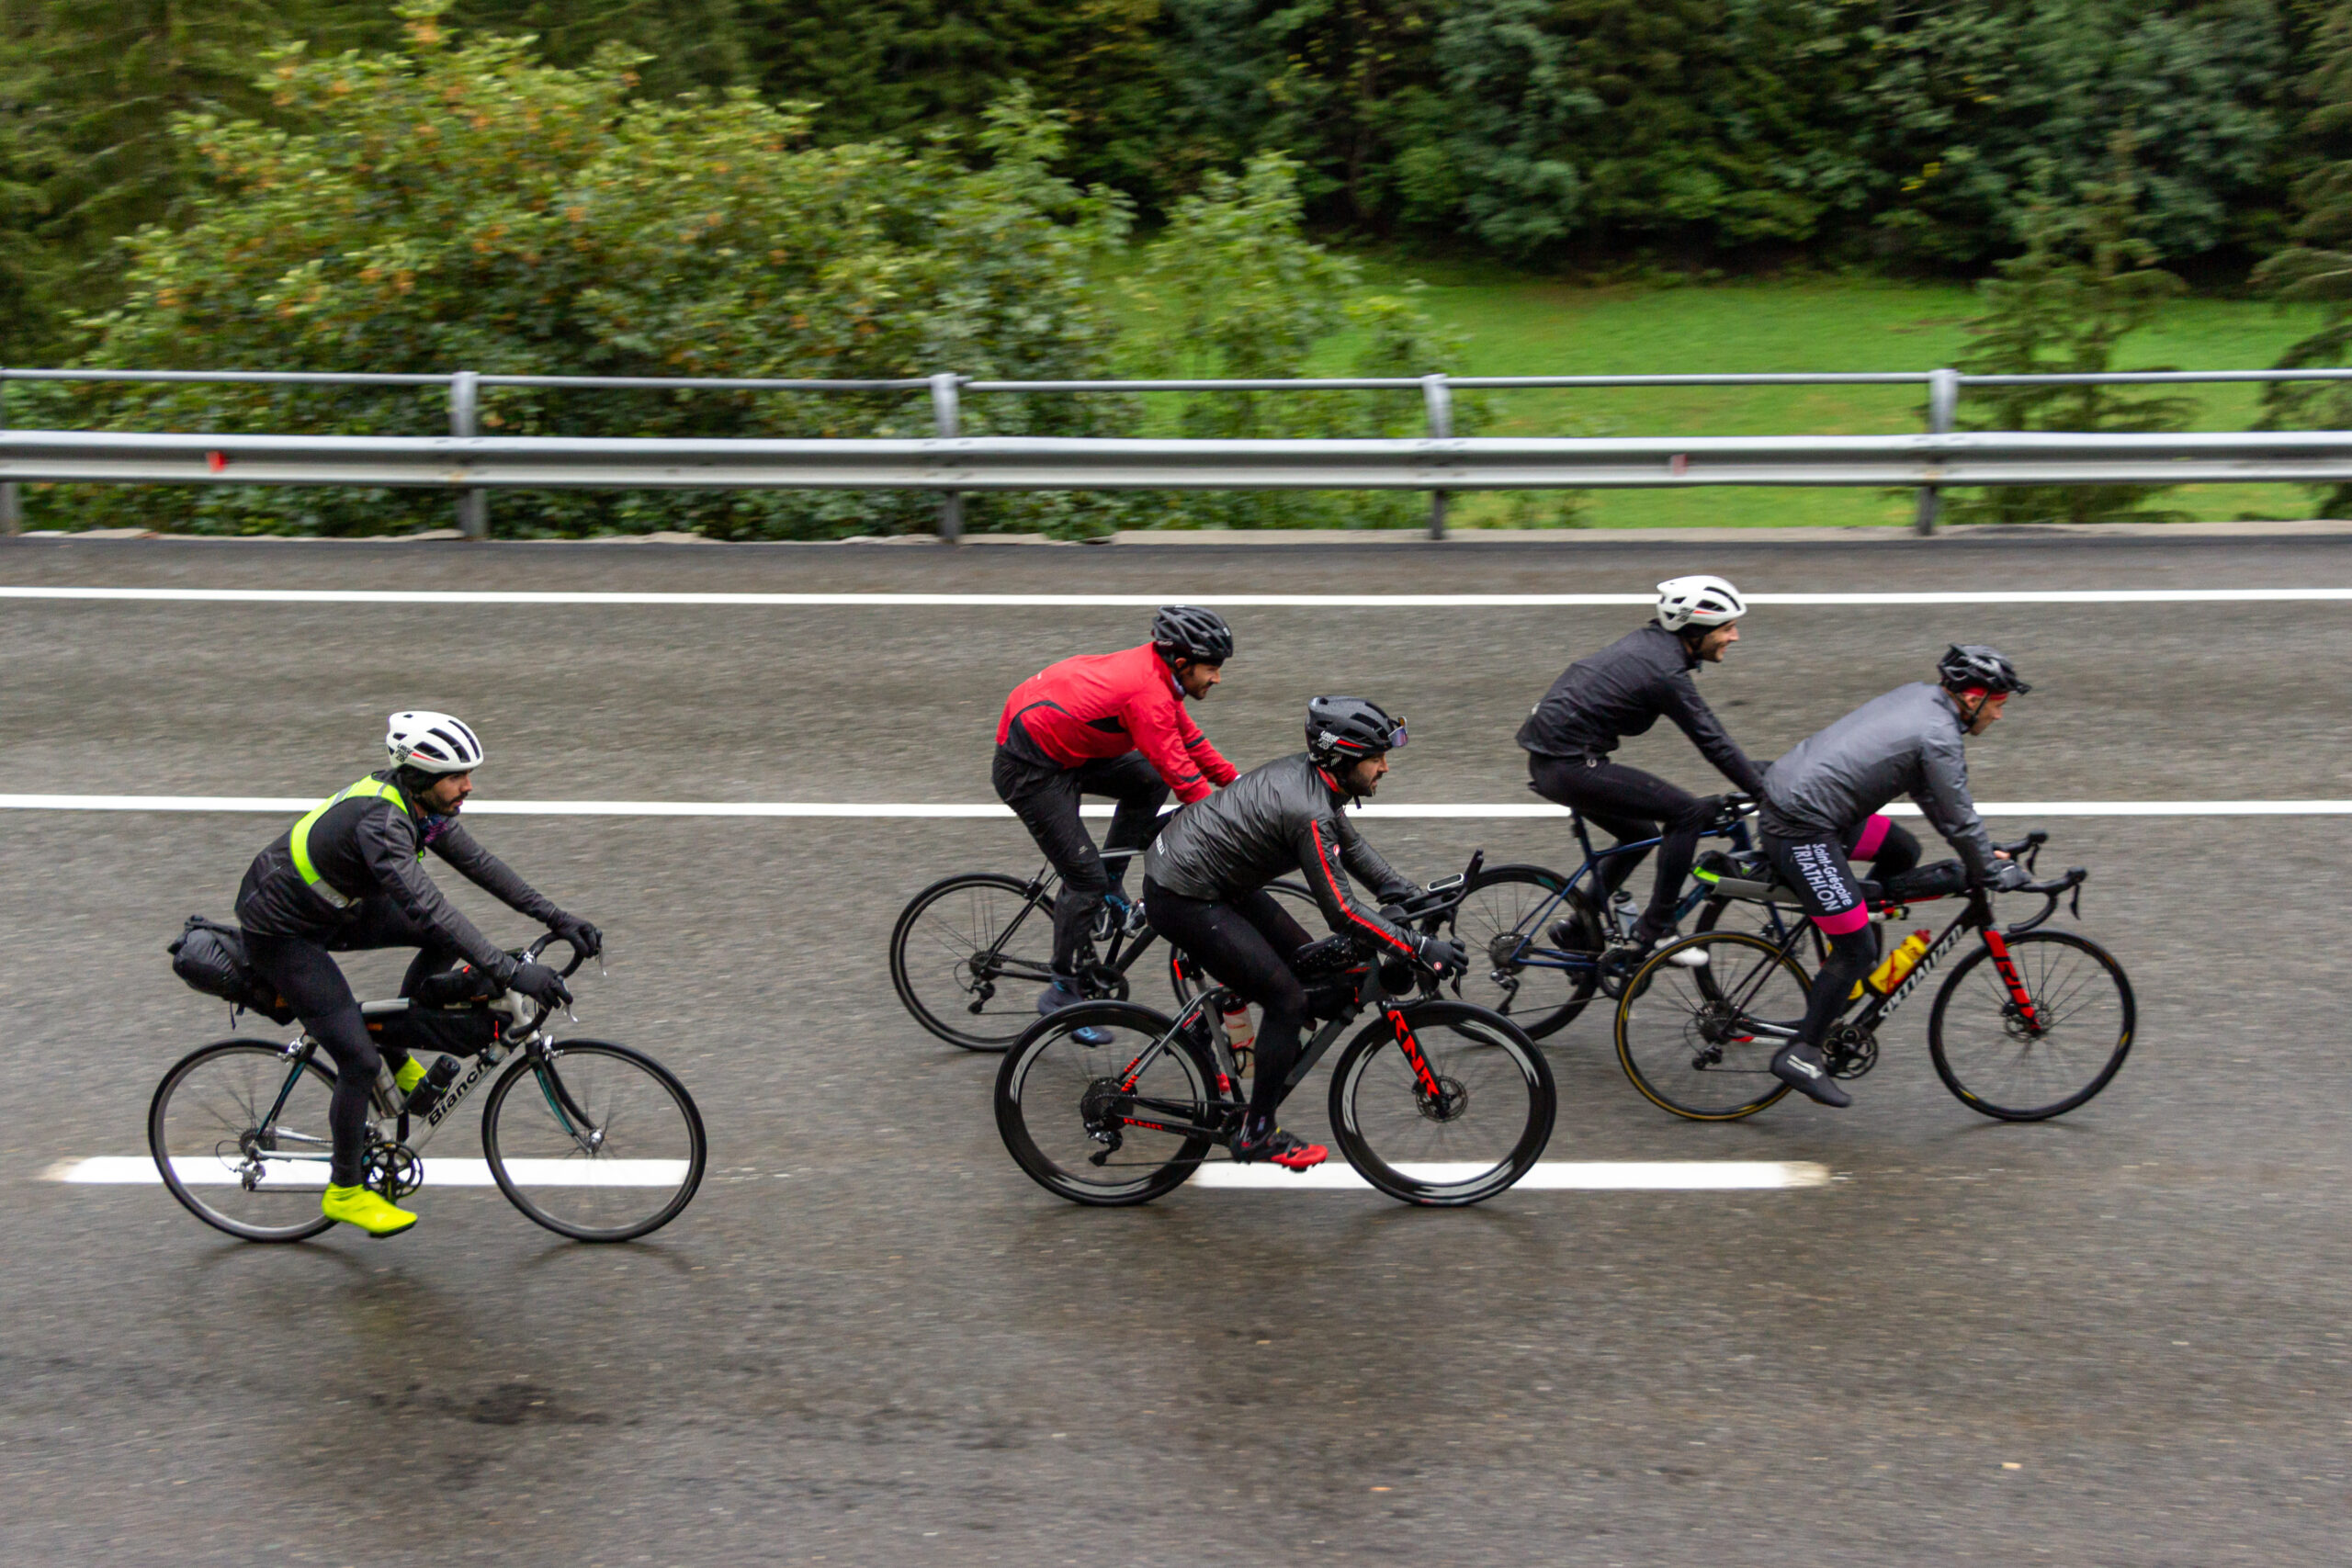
x,y
392,1169
1851,1052
1444,1105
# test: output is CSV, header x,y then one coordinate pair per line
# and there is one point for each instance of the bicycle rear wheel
x,y
602,1143
1086,1125
1698,1041
1483,1128
240,1136
969,955
1538,978
1988,1055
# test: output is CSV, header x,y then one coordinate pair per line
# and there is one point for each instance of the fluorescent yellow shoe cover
x,y
410,1074
368,1210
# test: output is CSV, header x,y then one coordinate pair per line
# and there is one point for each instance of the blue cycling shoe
x,y
1064,993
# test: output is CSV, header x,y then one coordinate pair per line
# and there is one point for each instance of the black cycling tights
x,y
1631,805
306,974
1245,944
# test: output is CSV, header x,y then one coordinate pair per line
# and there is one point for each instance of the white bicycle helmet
x,y
430,743
1698,602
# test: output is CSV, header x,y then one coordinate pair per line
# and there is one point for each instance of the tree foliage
x,y
2085,283
2316,266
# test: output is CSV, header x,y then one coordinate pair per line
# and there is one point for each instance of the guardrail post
x,y
465,407
1438,399
12,506
1943,407
946,415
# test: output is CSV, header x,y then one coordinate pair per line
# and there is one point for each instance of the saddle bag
x,y
210,957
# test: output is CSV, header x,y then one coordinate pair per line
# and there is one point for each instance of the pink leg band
x,y
1844,921
1873,835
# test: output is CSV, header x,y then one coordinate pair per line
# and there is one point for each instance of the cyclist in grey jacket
x,y
1910,741
1205,890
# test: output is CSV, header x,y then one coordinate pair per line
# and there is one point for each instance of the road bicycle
x,y
2030,1024
971,951
593,1140
1541,943
1434,1102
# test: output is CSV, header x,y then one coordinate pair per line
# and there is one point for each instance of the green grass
x,y
1525,328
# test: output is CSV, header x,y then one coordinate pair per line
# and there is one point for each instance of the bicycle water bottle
x,y
1240,1034
1900,963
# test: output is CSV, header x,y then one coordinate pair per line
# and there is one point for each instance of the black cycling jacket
x,y
1621,690
365,847
1271,821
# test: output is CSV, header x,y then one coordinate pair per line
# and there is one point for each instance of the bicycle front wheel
x,y
1698,1039
969,955
1468,1129
2014,1067
1534,948
240,1136
595,1141
1088,1122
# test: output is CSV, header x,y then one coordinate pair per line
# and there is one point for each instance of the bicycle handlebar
x,y
530,1025
2051,891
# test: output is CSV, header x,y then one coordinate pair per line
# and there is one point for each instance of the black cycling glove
x,y
1445,957
2008,875
585,939
539,983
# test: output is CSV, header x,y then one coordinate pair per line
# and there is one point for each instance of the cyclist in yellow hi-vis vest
x,y
346,878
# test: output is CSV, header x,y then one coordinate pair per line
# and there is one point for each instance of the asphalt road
x,y
2120,1338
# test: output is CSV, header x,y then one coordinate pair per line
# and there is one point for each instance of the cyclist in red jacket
x,y
1112,725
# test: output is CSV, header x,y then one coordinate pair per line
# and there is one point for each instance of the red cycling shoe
x,y
1280,1147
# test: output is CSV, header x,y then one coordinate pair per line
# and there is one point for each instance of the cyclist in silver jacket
x,y
1817,798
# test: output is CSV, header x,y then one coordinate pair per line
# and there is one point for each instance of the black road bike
x,y
1433,1102
2030,1024
971,951
593,1140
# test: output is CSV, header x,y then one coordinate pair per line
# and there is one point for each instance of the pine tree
x,y
2085,283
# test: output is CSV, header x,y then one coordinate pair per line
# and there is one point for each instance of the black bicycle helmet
x,y
1187,631
1971,665
1351,729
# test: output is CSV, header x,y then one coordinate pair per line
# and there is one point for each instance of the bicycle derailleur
x,y
1101,1107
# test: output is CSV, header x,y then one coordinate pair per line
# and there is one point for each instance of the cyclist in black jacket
x,y
1205,890
346,878
1621,690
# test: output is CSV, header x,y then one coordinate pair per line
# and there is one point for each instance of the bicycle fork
x,y
2005,965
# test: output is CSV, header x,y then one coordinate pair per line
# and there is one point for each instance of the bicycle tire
x,y
1049,1071
1545,980
683,1144
1703,1036
2065,996
271,1065
1503,1060
1014,1015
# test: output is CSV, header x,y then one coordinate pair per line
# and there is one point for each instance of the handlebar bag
x,y
1942,879
210,957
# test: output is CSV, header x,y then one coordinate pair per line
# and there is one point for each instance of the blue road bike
x,y
1541,943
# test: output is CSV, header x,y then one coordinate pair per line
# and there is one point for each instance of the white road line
x,y
117,1171
865,810
1549,1176
1129,600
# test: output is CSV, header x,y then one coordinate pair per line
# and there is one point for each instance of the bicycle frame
x,y
1125,948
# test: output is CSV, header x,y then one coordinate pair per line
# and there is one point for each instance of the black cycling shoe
x,y
1801,1067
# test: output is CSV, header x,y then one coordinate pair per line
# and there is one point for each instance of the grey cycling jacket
x,y
1906,742
1268,822
365,847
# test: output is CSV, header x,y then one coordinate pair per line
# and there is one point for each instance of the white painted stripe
x,y
864,810
456,597
115,1170
1549,1176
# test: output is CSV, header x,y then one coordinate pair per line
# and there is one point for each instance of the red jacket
x,y
1108,705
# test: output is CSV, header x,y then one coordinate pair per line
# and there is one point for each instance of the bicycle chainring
x,y
1102,982
1851,1052
392,1170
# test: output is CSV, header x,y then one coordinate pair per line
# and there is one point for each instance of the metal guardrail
x,y
953,464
